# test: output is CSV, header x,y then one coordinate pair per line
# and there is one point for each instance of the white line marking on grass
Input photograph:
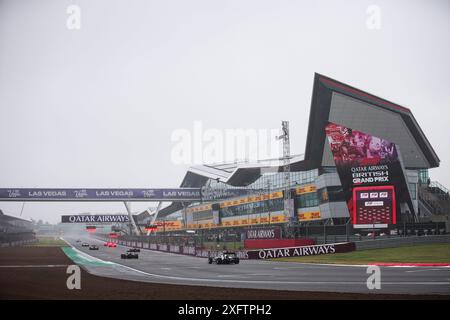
x,y
88,257
37,266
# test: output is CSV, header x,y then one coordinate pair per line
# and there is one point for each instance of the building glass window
x,y
202,215
413,190
307,200
423,176
258,207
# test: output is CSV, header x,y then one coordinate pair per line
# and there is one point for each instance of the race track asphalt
x,y
160,267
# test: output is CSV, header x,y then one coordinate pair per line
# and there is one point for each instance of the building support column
x,y
130,215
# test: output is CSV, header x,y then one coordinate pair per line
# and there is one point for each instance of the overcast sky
x,y
96,107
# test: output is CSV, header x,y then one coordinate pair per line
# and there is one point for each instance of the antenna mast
x,y
288,205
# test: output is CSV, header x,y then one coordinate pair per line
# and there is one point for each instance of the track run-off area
x,y
168,268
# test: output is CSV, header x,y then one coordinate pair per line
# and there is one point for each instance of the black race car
x,y
129,255
84,244
134,250
226,257
93,247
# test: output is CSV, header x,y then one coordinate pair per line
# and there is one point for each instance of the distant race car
x,y
93,247
226,257
110,245
78,241
134,250
84,244
129,255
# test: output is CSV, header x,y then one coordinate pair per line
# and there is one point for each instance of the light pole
x,y
261,199
268,200
373,229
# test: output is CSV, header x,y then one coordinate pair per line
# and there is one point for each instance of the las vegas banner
x,y
371,175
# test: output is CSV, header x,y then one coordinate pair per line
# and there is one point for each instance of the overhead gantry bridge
x,y
183,195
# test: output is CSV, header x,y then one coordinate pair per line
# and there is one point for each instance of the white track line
x,y
276,282
434,269
356,265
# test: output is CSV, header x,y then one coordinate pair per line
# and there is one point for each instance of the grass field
x,y
223,245
430,253
49,242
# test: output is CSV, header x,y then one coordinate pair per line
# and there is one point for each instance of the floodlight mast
x,y
286,174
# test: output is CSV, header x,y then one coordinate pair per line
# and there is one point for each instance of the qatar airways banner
x,y
372,165
95,218
263,233
38,194
301,251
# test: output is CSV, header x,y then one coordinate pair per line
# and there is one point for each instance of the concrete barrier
x,y
189,250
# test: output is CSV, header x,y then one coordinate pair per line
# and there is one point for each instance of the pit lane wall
x,y
259,254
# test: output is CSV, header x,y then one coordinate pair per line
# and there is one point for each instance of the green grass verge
x,y
220,246
429,253
84,259
49,242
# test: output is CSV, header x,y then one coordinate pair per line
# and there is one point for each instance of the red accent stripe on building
x,y
363,94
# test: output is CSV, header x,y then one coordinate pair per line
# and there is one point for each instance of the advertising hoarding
x,y
363,160
263,233
301,251
95,218
41,194
309,216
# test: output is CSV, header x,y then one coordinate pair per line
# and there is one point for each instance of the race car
x,y
84,244
134,250
129,255
110,245
93,247
226,257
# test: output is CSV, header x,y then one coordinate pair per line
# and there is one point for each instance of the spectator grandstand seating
x,y
15,230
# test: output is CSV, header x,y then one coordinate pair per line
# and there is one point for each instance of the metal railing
x,y
435,184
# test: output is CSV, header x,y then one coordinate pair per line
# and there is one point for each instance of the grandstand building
x,y
316,187
14,231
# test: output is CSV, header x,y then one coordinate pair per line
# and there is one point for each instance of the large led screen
x,y
374,207
364,160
